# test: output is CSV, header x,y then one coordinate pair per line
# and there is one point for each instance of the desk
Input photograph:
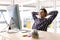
x,y
42,36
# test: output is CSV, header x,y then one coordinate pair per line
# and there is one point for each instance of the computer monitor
x,y
15,22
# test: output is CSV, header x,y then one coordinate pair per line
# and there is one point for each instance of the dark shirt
x,y
42,24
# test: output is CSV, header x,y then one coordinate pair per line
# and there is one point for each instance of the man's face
x,y
42,14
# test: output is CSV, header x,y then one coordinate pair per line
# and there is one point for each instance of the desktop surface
x,y
23,35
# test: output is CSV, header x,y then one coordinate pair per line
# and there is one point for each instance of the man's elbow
x,y
56,12
53,12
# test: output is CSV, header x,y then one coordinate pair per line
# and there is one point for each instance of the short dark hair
x,y
44,10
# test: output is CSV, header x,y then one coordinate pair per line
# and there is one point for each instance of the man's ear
x,y
46,14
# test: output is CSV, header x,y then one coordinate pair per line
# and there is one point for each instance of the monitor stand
x,y
15,30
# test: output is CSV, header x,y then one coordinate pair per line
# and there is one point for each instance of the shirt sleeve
x,y
53,15
34,15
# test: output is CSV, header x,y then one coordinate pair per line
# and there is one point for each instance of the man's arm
x,y
34,15
53,15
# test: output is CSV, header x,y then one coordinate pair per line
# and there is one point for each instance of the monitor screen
x,y
15,22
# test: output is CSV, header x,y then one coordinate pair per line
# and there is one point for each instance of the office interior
x,y
26,7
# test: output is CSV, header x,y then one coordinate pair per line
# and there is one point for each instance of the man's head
x,y
42,13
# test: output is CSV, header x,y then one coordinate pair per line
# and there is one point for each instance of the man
x,y
44,19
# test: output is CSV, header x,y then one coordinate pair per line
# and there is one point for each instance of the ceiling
x,y
31,3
